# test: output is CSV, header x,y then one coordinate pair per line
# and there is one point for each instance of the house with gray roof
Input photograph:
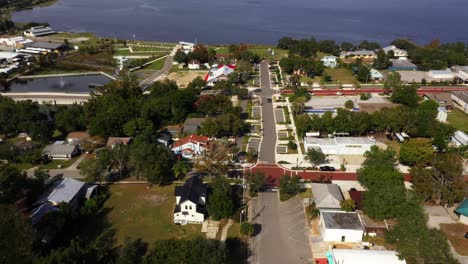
x,y
327,196
60,150
66,190
460,100
339,226
191,125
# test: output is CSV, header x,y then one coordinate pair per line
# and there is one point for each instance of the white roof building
x,y
376,75
219,73
38,31
441,74
441,114
362,256
340,145
460,138
12,43
396,51
329,61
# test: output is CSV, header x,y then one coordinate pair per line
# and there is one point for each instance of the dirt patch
x,y
456,234
183,78
154,199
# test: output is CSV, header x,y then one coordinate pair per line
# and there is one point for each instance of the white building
x,y
376,75
13,43
460,100
194,65
38,31
441,75
327,196
441,114
362,256
190,146
340,145
191,201
219,73
339,226
396,51
460,139
186,46
330,61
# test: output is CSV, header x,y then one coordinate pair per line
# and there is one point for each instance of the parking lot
x,y
253,145
279,116
323,102
283,234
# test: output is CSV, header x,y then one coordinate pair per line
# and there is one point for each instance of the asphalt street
x,y
267,149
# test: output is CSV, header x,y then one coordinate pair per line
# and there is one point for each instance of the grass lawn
x,y
344,76
55,163
23,166
157,65
138,212
456,234
458,119
222,50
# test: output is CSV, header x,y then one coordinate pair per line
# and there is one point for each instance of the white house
x,y
462,211
441,75
13,43
376,75
460,139
327,196
61,150
460,100
340,145
38,31
441,114
190,146
186,46
337,226
396,51
330,61
194,65
363,256
219,73
190,202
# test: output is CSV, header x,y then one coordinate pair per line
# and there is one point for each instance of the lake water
x,y
259,21
65,84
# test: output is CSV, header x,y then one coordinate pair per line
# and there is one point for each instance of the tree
x,y
348,205
132,251
214,163
383,61
393,80
138,126
12,182
256,181
315,157
180,57
197,84
180,169
413,152
69,118
327,78
406,95
289,186
16,245
220,204
151,161
247,229
349,104
363,74
93,169
442,183
303,123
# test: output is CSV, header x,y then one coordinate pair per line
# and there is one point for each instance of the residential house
x,y
364,55
396,51
443,99
194,65
191,125
164,138
402,64
375,75
186,47
460,138
462,211
330,61
65,190
219,73
77,137
181,65
190,201
338,226
340,145
60,150
460,100
38,31
327,196
174,131
365,256
10,57
441,75
441,114
113,141
190,146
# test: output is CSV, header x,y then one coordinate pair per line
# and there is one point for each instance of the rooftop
x,y
327,195
462,95
190,139
111,141
341,220
192,190
463,208
63,190
404,63
59,148
362,256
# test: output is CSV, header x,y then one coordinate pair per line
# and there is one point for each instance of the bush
x,y
247,229
342,167
365,96
349,104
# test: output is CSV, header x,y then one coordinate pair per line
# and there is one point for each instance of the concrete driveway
x,y
437,215
283,232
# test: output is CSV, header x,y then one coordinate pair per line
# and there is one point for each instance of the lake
x,y
258,21
65,84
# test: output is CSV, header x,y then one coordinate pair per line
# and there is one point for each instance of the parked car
x,y
257,90
389,137
268,100
327,168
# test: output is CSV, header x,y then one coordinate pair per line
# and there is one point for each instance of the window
x,y
343,238
190,207
186,207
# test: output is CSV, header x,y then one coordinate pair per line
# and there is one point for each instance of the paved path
x,y
225,230
283,231
165,69
333,92
267,148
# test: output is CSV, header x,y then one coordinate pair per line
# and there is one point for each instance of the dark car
x,y
327,168
389,137
257,90
268,100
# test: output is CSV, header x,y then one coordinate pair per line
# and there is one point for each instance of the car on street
x,y
268,100
327,168
257,90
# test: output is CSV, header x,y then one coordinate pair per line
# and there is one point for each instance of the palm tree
x,y
180,169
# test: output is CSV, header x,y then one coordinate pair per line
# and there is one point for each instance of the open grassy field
x,y
458,119
138,212
456,234
344,76
56,163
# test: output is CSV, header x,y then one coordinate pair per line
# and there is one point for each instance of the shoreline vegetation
x,y
14,6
